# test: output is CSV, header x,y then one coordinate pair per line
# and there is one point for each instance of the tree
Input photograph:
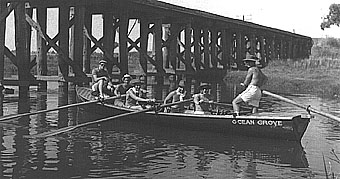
x,y
333,18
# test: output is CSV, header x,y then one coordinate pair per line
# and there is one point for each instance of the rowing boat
x,y
256,125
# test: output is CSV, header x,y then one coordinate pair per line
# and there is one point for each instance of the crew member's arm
x,y
182,96
248,78
196,99
116,91
96,78
133,96
167,98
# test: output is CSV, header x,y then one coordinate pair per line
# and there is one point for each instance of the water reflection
x,y
144,150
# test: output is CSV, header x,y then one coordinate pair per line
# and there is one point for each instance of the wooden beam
x,y
64,16
144,54
101,47
21,42
241,48
206,59
144,35
2,48
42,33
41,43
123,53
87,42
213,43
108,41
79,36
197,47
158,43
188,54
22,54
133,43
226,42
172,40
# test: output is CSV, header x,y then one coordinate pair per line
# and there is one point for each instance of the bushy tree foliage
x,y
333,18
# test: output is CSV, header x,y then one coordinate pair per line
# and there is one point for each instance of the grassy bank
x,y
302,76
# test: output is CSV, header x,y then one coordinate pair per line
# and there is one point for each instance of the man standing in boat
x,y
175,96
134,96
101,81
203,99
121,89
253,82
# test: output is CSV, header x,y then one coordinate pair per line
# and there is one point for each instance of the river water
x,y
130,150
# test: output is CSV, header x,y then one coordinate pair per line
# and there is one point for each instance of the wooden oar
x,y
58,108
301,106
69,128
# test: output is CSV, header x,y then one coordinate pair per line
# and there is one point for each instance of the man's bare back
x,y
255,77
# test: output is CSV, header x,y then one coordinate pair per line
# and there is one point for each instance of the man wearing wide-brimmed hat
x,y
175,96
134,96
203,99
123,87
254,80
101,81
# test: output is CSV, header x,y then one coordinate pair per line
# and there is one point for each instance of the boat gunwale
x,y
211,116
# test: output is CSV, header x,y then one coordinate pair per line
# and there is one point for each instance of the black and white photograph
x,y
169,89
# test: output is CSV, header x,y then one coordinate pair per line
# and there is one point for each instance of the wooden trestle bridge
x,y
183,41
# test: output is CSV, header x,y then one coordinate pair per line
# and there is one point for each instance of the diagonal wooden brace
x,y
75,67
107,53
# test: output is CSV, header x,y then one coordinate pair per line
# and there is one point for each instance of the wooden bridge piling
x,y
3,9
123,40
42,47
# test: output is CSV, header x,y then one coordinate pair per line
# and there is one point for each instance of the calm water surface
x,y
130,150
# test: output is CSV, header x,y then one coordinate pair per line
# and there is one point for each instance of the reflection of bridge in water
x,y
184,43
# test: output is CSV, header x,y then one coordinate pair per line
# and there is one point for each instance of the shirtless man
x,y
134,96
175,96
101,81
254,80
121,89
203,99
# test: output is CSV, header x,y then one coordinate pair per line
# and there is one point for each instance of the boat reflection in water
x,y
183,152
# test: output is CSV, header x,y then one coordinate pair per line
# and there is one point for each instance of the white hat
x,y
126,76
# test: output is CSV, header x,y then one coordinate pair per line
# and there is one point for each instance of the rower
x,y
134,97
121,89
101,81
175,96
203,99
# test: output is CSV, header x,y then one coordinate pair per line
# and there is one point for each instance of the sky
x,y
299,16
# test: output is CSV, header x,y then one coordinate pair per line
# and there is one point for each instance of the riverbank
x,y
318,77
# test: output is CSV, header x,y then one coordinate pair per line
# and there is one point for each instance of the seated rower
x,y
175,96
134,96
101,81
121,89
203,99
